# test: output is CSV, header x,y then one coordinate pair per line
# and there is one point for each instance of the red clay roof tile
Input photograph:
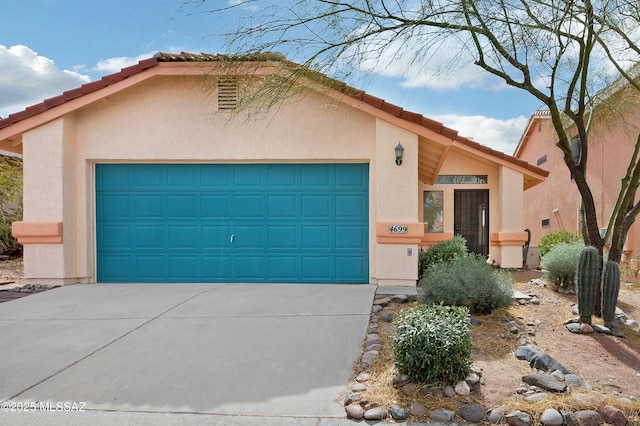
x,y
374,101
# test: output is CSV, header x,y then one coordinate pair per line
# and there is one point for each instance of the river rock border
x,y
547,376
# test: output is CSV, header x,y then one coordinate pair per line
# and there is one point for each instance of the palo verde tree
x,y
565,53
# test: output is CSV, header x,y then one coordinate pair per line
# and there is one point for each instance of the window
x,y
227,93
432,212
545,222
461,179
542,160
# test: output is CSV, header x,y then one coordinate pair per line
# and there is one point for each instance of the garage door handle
x,y
232,237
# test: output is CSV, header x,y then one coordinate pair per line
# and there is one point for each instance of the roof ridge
x,y
337,85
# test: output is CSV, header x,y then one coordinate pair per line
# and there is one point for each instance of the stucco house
x,y
156,174
554,205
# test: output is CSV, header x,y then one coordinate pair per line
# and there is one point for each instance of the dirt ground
x,y
609,365
11,272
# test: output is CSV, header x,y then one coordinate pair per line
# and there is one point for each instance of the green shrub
x,y
560,263
444,251
467,281
432,344
548,241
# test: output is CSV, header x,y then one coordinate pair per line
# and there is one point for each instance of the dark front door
x,y
471,218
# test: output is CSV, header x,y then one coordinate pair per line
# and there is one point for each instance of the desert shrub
x,y
560,263
432,344
547,242
10,202
467,281
444,251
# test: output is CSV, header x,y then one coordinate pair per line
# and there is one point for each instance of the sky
x,y
49,46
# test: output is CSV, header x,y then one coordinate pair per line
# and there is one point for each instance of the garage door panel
x,y
216,206
148,206
281,206
282,237
317,268
316,237
115,237
350,206
113,206
183,236
316,206
184,268
248,206
350,236
217,267
148,175
349,268
185,207
232,223
283,268
150,267
148,236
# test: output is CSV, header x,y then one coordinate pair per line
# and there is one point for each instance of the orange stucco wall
x,y
557,200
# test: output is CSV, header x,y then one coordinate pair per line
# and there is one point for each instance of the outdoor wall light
x,y
399,153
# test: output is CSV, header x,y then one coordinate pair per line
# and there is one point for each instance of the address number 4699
x,y
397,229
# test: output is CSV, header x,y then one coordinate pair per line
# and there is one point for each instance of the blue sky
x,y
48,46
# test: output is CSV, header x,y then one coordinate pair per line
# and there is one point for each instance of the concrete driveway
x,y
228,354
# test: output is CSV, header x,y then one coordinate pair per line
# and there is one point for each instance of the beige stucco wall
x,y
171,119
506,233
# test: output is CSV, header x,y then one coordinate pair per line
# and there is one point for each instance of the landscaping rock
x,y
551,417
586,328
473,413
495,415
360,387
376,308
377,413
536,397
573,380
545,381
387,317
400,380
613,416
589,418
442,415
545,362
573,327
448,391
526,352
462,388
355,411
363,377
398,413
353,397
400,298
416,409
518,418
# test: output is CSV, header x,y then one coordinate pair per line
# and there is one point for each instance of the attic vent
x,y
227,93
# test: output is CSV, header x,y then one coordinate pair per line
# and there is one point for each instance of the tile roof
x,y
342,87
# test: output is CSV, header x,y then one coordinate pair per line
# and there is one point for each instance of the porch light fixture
x,y
399,153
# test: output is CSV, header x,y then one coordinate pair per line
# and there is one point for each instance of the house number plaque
x,y
397,229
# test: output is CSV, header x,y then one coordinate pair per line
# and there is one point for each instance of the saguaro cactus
x,y
610,288
586,276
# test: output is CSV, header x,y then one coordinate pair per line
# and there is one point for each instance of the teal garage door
x,y
303,223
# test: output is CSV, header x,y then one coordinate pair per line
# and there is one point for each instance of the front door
x,y
471,218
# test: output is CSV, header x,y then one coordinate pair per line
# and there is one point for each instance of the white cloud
x,y
27,78
502,135
113,65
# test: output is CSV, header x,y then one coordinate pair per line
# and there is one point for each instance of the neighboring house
x,y
152,175
555,204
